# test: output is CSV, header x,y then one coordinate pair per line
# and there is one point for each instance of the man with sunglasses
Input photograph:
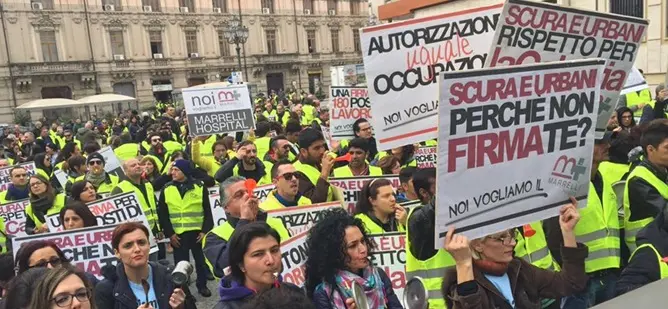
x,y
286,194
280,150
358,166
97,176
157,150
18,188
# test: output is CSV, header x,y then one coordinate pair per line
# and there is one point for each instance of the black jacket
x,y
643,268
645,200
227,170
114,291
421,224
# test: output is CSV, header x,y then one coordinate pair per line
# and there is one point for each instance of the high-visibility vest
x,y
271,116
262,145
3,236
534,249
159,165
172,146
431,271
43,173
652,103
272,202
145,145
185,213
345,171
127,151
226,230
205,149
147,202
634,98
612,172
312,174
599,230
56,207
309,113
373,228
430,143
383,154
663,266
266,178
631,228
104,188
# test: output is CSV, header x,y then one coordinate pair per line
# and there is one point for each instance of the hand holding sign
x,y
459,247
568,218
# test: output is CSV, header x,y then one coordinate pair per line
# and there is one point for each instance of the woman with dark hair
x,y
44,201
150,172
76,215
39,253
255,262
389,165
338,256
134,280
75,168
84,191
70,149
230,144
63,287
43,165
625,119
23,286
378,209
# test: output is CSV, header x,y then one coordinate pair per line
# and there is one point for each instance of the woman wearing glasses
x,y
487,275
44,201
63,287
134,281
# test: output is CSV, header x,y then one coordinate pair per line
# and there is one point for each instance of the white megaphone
x,y
415,294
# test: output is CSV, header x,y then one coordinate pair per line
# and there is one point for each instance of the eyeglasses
x,y
36,184
54,261
95,162
65,299
288,176
507,239
155,140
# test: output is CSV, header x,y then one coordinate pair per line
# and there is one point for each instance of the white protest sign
x,y
390,256
425,156
5,178
326,134
217,211
111,163
531,127
348,104
351,187
293,257
89,249
301,218
530,32
61,176
218,110
14,216
635,82
402,61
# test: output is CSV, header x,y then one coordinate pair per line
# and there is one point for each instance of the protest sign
x,y
531,32
635,82
390,256
326,134
294,253
348,104
402,60
530,127
14,216
5,178
301,218
218,110
217,211
89,249
111,163
425,156
351,187
61,176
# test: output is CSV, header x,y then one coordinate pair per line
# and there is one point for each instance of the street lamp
x,y
236,34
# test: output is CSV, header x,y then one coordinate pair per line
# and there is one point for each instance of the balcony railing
x,y
62,67
161,62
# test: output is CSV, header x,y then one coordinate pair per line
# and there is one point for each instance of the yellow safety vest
x,y
612,172
272,202
205,149
309,113
185,213
127,151
104,188
373,228
262,145
147,202
345,171
430,143
172,146
631,228
270,116
599,230
634,98
534,249
431,271
3,236
383,154
43,173
226,230
58,204
313,174
145,145
663,267
266,178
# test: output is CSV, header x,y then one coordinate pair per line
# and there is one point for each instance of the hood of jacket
x,y
655,233
231,290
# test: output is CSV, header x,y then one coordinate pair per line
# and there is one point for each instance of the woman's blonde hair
x,y
43,295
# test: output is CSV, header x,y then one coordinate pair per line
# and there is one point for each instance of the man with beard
x,y
314,166
210,164
283,175
157,150
279,150
358,149
246,165
362,129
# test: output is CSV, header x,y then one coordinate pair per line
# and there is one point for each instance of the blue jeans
x,y
598,290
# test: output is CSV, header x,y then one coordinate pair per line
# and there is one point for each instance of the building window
x,y
268,4
116,39
355,7
221,4
46,4
357,45
335,41
188,4
223,44
154,4
271,41
155,37
191,41
331,5
310,41
635,8
308,5
49,47
115,3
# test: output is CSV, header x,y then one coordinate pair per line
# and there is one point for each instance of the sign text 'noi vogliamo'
x,y
531,127
218,110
